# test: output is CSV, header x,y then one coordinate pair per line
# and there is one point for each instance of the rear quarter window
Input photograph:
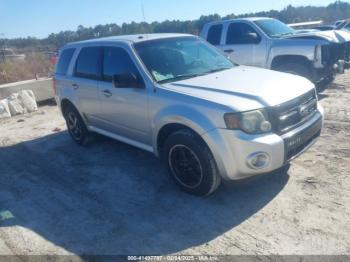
x,y
64,61
214,34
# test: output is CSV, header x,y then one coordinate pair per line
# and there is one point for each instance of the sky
x,y
39,18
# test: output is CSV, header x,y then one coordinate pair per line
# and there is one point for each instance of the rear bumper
x,y
232,148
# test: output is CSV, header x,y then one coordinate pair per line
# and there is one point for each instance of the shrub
x,y
33,66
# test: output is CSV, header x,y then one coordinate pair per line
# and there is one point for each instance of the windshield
x,y
274,28
341,25
173,59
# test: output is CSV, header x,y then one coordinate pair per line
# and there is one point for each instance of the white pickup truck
x,y
271,44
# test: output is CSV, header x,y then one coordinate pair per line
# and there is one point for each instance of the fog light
x,y
258,160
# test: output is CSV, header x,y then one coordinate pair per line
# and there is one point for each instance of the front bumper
x,y
318,75
335,59
232,148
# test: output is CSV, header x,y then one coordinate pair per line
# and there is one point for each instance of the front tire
x,y
191,163
76,126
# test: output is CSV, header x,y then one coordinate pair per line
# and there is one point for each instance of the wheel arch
x,y
172,119
285,59
64,104
168,129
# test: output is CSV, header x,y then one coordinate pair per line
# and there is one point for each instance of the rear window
x,y
214,34
89,63
64,61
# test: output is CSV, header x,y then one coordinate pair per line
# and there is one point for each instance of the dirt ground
x,y
111,198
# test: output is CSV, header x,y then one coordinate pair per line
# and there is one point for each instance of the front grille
x,y
298,142
293,113
334,52
347,51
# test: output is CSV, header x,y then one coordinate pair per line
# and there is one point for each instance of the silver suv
x,y
178,97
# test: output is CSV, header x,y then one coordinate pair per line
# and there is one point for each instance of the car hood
x,y
336,36
244,88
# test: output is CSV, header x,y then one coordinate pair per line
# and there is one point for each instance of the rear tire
x,y
295,69
76,126
191,163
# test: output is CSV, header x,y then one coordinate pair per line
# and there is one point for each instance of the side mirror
x,y
254,38
127,80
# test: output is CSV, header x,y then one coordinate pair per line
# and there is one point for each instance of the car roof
x,y
137,38
251,19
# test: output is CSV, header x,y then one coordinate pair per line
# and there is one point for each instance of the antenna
x,y
143,11
143,15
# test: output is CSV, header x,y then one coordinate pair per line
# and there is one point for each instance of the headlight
x,y
252,122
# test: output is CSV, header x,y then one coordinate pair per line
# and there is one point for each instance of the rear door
x,y
244,45
124,110
84,82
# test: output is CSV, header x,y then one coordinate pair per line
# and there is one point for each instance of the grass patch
x,y
33,66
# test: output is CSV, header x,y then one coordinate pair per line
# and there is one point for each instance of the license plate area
x,y
296,143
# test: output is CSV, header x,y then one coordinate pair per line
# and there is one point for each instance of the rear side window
x,y
117,61
214,34
241,33
88,64
64,61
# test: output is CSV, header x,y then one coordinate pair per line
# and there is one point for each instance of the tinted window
x,y
117,61
64,61
88,63
214,34
241,33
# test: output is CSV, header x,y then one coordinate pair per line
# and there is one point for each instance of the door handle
x,y
107,93
229,51
75,86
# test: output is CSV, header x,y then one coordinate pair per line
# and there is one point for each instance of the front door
x,y
244,45
124,109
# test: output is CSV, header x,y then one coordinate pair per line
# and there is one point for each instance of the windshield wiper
x,y
283,34
179,77
186,76
290,33
218,70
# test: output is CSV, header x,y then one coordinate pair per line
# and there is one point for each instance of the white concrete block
x,y
4,109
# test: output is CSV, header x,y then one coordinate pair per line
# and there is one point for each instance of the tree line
x,y
335,11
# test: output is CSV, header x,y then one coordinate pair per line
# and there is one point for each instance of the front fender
x,y
187,116
300,48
